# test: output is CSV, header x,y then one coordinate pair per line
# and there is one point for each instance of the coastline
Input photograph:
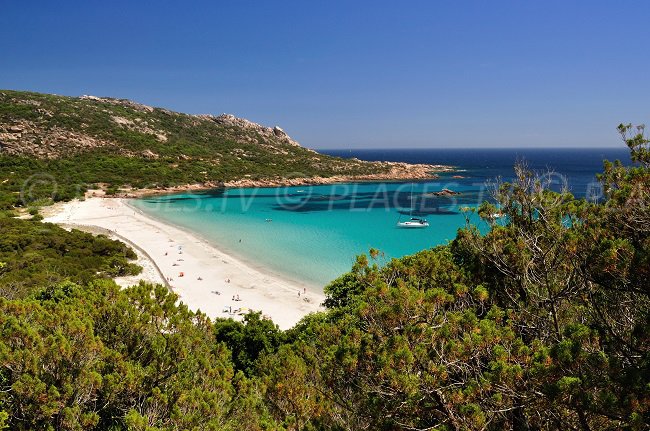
x,y
191,267
398,171
317,288
202,274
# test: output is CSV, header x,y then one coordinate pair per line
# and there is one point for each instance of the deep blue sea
x,y
313,233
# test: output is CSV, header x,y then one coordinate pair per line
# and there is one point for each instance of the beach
x,y
205,278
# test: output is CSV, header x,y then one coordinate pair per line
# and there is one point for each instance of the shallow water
x,y
313,233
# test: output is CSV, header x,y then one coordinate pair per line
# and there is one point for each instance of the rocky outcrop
x,y
148,154
121,102
141,126
396,171
9,136
266,132
443,192
28,139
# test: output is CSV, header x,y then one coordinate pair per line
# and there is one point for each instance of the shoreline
x,y
400,172
311,287
192,267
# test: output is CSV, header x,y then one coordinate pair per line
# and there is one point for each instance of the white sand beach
x,y
205,278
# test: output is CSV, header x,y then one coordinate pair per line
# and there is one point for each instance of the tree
x,y
568,270
248,341
97,357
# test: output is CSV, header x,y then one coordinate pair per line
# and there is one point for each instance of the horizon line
x,y
474,148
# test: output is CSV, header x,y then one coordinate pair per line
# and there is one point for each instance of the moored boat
x,y
414,223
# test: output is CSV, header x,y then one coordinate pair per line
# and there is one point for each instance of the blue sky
x,y
352,74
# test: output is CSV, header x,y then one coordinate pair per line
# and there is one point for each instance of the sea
x,y
312,234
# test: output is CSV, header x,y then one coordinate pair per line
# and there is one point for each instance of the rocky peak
x,y
279,132
232,121
66,126
121,102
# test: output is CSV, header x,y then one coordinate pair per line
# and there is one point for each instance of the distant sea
x,y
313,233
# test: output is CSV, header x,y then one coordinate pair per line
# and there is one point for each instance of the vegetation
x,y
99,357
541,323
35,255
248,341
66,144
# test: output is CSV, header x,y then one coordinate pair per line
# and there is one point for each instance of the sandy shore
x,y
205,278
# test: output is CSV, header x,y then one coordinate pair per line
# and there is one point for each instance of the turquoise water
x,y
314,233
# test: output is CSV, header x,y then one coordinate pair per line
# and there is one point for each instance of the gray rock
x,y
265,132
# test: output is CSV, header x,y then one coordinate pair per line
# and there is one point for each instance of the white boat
x,y
414,222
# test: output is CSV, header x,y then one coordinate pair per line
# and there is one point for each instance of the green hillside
x,y
77,142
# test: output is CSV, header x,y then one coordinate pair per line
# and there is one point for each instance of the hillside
x,y
88,140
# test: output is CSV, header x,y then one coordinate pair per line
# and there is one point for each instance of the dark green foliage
x,y
248,341
342,291
42,254
429,268
422,357
98,357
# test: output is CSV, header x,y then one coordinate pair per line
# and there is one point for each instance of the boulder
x,y
279,132
148,154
